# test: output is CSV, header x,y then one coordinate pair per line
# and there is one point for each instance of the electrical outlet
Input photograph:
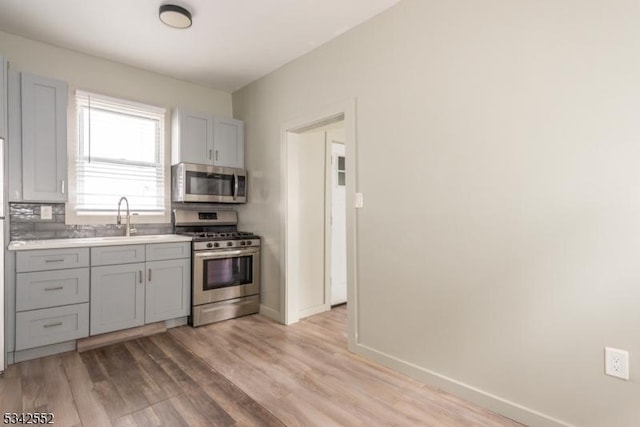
x,y
616,363
45,212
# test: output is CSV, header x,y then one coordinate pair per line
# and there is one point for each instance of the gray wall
x,y
513,129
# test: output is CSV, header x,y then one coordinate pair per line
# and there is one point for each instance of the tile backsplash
x,y
26,224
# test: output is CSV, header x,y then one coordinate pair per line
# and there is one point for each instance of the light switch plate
x,y
359,200
45,212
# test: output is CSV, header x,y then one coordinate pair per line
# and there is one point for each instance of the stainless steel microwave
x,y
191,182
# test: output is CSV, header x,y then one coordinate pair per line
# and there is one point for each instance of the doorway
x,y
305,224
318,178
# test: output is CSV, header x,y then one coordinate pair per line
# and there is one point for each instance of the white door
x,y
338,225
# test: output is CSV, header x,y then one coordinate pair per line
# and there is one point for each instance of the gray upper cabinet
x,y
205,139
228,143
44,138
192,137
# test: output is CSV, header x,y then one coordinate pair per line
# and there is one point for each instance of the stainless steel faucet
x,y
128,230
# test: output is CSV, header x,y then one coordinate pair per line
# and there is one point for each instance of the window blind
x,y
120,152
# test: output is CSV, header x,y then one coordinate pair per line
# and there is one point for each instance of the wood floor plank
x,y
235,402
11,389
249,371
60,400
34,394
189,386
160,385
166,412
124,375
90,410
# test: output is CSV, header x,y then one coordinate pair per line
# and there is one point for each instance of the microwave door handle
x,y
235,185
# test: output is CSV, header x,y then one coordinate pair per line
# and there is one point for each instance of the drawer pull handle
x,y
149,274
51,325
54,260
57,288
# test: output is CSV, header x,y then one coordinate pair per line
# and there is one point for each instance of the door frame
x,y
345,110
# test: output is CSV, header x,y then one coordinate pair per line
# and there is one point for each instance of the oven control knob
x,y
242,243
209,245
229,243
216,244
248,243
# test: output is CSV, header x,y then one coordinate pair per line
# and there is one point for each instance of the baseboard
x,y
494,403
270,313
314,310
102,340
47,350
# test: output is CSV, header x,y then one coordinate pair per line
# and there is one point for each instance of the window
x,y
341,171
119,152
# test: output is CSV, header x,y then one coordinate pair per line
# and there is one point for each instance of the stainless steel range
x,y
226,265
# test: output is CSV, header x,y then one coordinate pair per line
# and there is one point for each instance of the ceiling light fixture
x,y
175,16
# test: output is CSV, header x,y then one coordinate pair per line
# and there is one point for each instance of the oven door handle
x,y
224,254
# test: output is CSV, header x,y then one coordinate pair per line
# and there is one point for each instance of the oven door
x,y
225,274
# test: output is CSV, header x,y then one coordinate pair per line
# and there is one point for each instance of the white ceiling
x,y
230,44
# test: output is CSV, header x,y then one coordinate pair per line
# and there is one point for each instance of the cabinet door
x,y
168,293
117,297
193,141
44,138
228,142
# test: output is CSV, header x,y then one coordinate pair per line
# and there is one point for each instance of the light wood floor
x,y
247,371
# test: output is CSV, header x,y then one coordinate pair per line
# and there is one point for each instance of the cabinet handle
x,y
149,274
62,186
209,154
216,155
235,185
51,325
54,260
57,288
140,276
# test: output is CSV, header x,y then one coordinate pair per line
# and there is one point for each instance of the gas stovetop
x,y
211,229
200,236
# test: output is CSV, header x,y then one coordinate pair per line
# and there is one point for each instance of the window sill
x,y
74,218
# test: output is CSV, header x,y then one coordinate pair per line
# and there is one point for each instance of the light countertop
x,y
26,245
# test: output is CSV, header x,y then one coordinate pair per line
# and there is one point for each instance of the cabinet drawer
x,y
110,255
36,328
162,251
51,259
44,289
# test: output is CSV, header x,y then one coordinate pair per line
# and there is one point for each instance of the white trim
x,y
270,313
480,397
313,310
289,305
71,215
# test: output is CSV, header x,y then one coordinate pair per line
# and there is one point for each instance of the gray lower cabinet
x,y
128,292
66,294
36,328
52,296
168,289
117,297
